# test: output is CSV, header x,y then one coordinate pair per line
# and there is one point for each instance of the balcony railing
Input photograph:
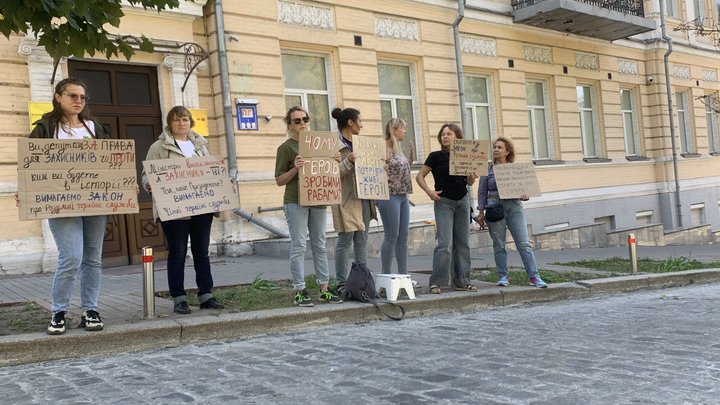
x,y
632,7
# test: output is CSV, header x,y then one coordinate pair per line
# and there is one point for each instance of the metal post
x,y
148,283
633,252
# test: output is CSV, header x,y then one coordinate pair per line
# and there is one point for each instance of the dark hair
x,y
179,112
509,147
343,116
57,112
453,127
292,110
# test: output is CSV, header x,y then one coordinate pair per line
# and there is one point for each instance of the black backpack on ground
x,y
360,286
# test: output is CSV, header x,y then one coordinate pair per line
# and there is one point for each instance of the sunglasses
x,y
76,97
298,121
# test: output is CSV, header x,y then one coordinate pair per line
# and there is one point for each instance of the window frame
x,y
685,133
413,97
303,93
634,121
546,111
473,106
713,126
594,113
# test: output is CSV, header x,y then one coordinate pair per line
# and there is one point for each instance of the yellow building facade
x,y
590,112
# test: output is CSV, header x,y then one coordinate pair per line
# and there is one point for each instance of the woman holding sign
x,y
178,140
302,219
452,213
514,219
352,217
395,212
79,239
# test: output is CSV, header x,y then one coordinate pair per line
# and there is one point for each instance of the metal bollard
x,y
148,283
633,252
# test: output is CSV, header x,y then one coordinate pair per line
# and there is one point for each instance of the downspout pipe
x,y
668,90
228,118
458,63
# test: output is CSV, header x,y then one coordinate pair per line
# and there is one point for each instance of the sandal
x,y
435,289
468,287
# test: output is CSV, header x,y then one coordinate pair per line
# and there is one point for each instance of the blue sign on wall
x,y
247,119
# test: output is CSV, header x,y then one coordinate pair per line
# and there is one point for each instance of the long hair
x,y
509,147
178,112
390,127
453,127
343,116
57,113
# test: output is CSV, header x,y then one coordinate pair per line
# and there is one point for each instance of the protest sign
x,y
184,187
516,179
468,156
73,178
320,176
370,176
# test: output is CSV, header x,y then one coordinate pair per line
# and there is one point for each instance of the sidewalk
x,y
121,298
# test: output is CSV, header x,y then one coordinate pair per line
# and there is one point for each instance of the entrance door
x,y
125,98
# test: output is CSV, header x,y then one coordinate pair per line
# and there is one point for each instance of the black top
x,y
453,187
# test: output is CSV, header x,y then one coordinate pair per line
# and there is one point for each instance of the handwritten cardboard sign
x,y
370,176
184,187
468,156
74,178
320,176
516,179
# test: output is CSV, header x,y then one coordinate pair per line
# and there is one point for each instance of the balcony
x,y
602,19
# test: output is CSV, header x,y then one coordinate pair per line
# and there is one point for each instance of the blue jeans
x,y
395,214
452,219
80,243
300,220
359,241
177,232
515,221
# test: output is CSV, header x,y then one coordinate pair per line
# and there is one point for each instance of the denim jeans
x,y
300,220
359,241
515,221
395,214
80,243
177,232
452,252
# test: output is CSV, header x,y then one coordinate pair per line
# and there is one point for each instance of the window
x,y
589,128
699,9
697,214
644,217
629,120
712,123
478,107
306,84
540,125
683,115
397,99
671,8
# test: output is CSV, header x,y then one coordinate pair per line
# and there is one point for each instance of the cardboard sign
x,y
320,176
184,187
468,156
516,179
370,177
74,178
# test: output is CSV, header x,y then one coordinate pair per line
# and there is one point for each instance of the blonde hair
x,y
390,127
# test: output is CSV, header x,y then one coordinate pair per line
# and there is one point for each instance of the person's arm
x,y
470,179
420,178
347,164
482,200
285,178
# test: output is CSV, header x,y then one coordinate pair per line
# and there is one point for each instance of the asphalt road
x,y
652,347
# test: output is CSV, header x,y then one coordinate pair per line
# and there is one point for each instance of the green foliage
x,y
74,27
518,277
620,265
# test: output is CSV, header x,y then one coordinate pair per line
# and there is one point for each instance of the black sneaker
x,y
329,297
57,324
302,298
211,303
182,307
91,321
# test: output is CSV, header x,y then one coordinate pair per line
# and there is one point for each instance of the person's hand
x,y
17,200
434,195
524,197
299,162
337,157
480,219
351,157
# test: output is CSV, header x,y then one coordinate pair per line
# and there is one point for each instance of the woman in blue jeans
x,y
488,196
301,219
452,215
395,212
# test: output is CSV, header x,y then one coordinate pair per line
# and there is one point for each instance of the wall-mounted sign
x,y
36,111
201,121
247,118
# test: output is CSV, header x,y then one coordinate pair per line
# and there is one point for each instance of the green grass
x,y
24,317
620,265
518,276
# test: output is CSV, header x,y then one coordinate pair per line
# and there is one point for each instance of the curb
x,y
162,333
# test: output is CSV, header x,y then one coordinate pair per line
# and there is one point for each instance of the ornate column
x,y
177,64
40,69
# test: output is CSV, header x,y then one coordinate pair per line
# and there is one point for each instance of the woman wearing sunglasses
x,y
79,239
302,219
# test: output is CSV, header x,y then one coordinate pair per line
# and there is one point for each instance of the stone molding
x,y
388,27
539,54
586,60
175,64
709,75
40,69
305,15
627,66
478,45
681,71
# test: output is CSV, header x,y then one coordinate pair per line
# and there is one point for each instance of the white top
x,y
187,148
65,132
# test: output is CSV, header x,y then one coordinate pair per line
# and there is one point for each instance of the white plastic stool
x,y
393,283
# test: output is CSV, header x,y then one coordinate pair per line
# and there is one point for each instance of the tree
x,y
75,27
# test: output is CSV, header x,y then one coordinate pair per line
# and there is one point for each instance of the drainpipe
x,y
458,63
228,118
668,90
